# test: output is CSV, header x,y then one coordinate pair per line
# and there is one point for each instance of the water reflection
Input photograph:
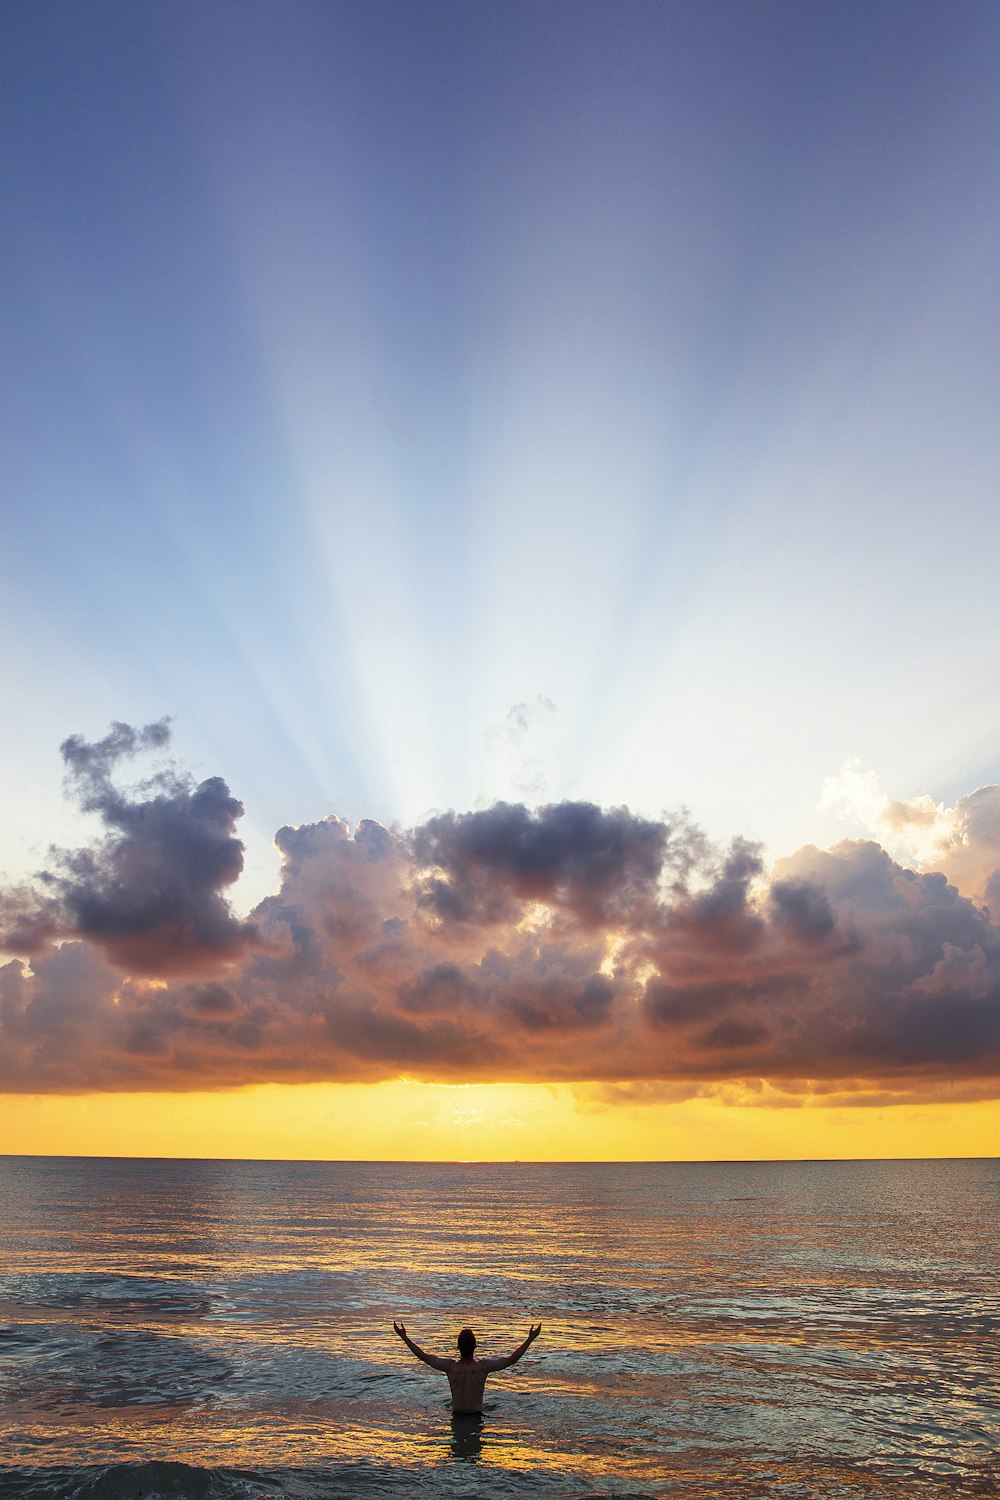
x,y
834,1327
467,1436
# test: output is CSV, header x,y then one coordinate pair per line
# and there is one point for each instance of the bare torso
x,y
467,1378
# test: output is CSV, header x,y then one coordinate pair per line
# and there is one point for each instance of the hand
x,y
398,1328
533,1332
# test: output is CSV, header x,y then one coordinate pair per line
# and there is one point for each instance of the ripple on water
x,y
791,1330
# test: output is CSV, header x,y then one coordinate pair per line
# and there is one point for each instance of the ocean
x,y
223,1330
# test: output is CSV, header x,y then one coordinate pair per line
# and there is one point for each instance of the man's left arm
x,y
512,1359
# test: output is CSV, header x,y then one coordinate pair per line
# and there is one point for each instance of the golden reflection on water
x,y
295,1439
757,1324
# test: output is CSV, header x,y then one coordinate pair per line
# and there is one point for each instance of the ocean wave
x,y
155,1480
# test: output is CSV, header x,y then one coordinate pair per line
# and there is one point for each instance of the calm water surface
x,y
223,1329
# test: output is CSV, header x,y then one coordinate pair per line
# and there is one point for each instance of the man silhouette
x,y
467,1375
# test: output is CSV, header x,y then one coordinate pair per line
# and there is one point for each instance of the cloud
x,y
596,866
963,841
567,942
522,745
149,893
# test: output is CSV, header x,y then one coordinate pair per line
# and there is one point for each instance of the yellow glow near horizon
x,y
405,1121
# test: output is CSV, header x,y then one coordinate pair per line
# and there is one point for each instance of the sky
x,y
499,519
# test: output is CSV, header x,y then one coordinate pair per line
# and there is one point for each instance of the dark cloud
x,y
803,909
734,1035
216,1002
149,894
722,916
90,764
570,942
441,989
599,866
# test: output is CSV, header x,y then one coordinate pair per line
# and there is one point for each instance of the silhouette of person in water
x,y
467,1376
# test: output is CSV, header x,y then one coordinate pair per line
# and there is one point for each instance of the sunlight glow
x,y
406,1121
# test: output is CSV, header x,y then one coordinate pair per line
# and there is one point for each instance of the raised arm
x,y
428,1359
512,1359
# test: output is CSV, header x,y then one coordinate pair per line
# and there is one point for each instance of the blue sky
x,y
374,371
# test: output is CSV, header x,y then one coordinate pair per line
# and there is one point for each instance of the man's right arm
x,y
428,1359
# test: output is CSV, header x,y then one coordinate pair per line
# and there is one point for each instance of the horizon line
x,y
390,1161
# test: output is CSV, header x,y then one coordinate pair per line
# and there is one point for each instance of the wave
x,y
155,1480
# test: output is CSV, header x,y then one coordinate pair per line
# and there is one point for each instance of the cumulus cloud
x,y
594,865
150,892
566,942
963,841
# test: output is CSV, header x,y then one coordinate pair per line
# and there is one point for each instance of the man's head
x,y
466,1343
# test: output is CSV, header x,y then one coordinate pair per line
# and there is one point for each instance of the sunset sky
x,y
500,609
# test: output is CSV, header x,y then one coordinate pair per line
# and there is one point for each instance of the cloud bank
x,y
566,942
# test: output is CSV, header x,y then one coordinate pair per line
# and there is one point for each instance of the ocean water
x,y
223,1330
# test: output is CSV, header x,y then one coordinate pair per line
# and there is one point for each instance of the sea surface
x,y
223,1330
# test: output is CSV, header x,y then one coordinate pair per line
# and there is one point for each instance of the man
x,y
467,1375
